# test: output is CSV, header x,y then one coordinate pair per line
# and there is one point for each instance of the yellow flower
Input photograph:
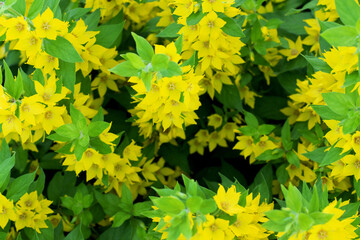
x,y
104,81
6,211
28,201
132,152
215,120
29,108
263,145
47,94
228,201
215,139
17,28
313,35
210,26
212,5
51,118
46,26
215,229
197,146
30,43
294,49
342,59
352,166
25,218
10,122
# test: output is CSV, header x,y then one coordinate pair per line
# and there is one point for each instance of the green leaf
x,y
160,62
109,34
194,18
271,154
348,10
351,123
341,36
135,60
266,129
232,28
19,186
194,203
293,158
143,47
251,120
230,97
318,64
326,114
146,77
278,216
286,136
39,184
68,130
293,199
125,69
179,44
35,8
75,13
320,217
339,103
75,234
208,206
100,146
6,165
109,202
333,155
18,86
28,84
305,221
9,80
172,70
120,218
78,119
350,210
170,31
96,128
61,48
170,205
67,74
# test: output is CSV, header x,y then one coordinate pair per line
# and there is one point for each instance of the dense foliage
x,y
179,119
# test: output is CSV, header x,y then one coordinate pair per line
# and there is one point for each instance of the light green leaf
x,y
341,36
61,48
348,10
143,47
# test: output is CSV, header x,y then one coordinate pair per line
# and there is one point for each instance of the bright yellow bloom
x,y
215,120
313,35
28,201
46,26
51,118
29,109
25,218
215,139
212,5
210,26
294,49
17,28
228,201
342,59
214,229
30,43
352,166
6,211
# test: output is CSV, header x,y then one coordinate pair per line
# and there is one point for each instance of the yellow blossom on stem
x,y
228,201
295,48
46,26
6,211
